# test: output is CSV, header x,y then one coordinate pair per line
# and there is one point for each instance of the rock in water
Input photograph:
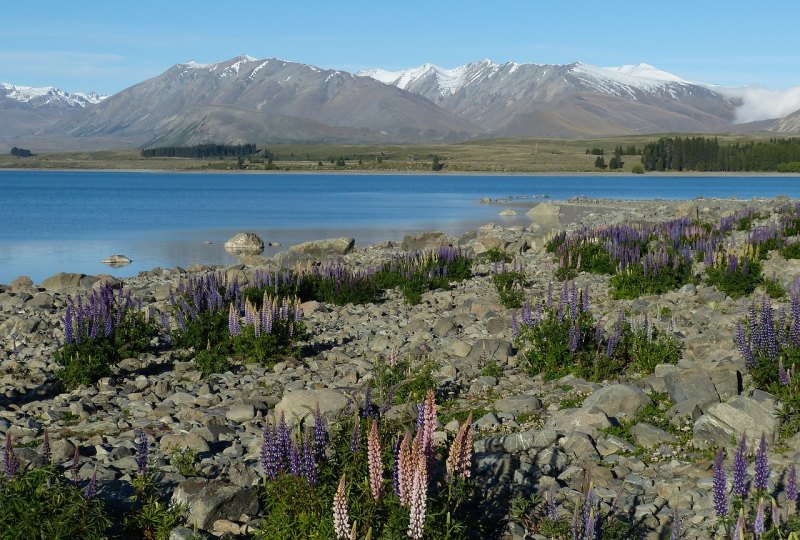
x,y
508,212
245,241
331,246
115,261
544,209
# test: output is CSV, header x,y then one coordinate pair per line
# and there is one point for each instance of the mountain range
x,y
271,100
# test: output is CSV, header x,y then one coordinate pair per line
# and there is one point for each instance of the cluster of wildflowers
x,y
285,450
560,336
97,316
762,336
10,461
509,282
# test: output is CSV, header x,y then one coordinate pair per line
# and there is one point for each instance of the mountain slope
x,y
566,100
787,125
26,111
164,104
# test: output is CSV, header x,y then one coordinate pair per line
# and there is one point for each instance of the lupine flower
x,y
10,462
791,485
75,459
783,375
551,504
677,529
295,466
269,458
458,460
355,436
234,327
320,434
405,470
366,407
761,475
720,493
589,515
396,467
45,452
738,532
740,468
776,514
418,496
141,454
341,521
91,488
758,524
309,461
374,461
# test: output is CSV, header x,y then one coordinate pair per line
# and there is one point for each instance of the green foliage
x,y
633,283
202,151
184,460
704,154
792,167
595,151
210,361
791,251
510,287
293,509
492,369
737,282
154,520
600,162
41,504
587,257
774,288
436,164
416,273
21,152
637,169
498,255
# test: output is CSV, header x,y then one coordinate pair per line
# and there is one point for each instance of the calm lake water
x,y
56,221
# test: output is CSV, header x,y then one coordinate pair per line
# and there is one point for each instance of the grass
x,y
516,154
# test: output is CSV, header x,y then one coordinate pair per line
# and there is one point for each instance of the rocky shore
x,y
530,433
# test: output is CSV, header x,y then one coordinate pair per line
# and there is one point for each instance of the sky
x,y
107,46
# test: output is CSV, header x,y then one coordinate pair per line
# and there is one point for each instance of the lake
x,y
55,221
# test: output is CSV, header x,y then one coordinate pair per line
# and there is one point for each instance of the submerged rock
x,y
245,241
116,261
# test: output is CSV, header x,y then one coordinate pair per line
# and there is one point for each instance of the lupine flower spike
x,y
75,459
458,460
720,493
418,495
47,455
91,488
761,474
341,520
677,526
10,463
758,524
740,468
791,487
375,465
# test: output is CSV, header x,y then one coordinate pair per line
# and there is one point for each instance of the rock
x,y
241,413
190,440
491,349
692,385
245,242
330,246
64,281
618,400
585,420
298,404
544,209
507,212
210,500
185,533
518,404
423,240
21,283
116,261
687,209
726,422
650,436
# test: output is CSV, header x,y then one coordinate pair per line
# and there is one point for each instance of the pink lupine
x,y
341,520
460,455
418,496
405,469
375,465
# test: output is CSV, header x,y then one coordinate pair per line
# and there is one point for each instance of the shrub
x,y
734,276
791,251
655,274
637,169
510,285
497,255
774,288
43,503
563,338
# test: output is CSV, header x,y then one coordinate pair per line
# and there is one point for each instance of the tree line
x,y
21,152
706,154
202,151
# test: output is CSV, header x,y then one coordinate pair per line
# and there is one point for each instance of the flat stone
x,y
329,246
585,420
649,435
692,385
241,413
210,500
544,209
116,261
618,400
299,404
64,281
423,240
726,422
518,404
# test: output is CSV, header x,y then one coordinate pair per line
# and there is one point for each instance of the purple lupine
x,y
396,466
366,406
74,467
551,505
590,517
269,456
783,376
141,454
759,523
574,338
91,488
776,514
738,532
355,437
514,324
791,485
45,452
720,492
10,462
740,468
320,434
761,474
309,461
295,464
677,526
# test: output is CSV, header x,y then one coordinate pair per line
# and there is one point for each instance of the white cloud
x,y
757,103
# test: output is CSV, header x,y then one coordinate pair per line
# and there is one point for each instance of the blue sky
x,y
108,46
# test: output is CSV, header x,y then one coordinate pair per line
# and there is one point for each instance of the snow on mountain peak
x,y
49,95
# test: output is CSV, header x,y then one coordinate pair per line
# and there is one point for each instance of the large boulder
x,y
65,281
297,405
329,246
424,240
544,209
618,401
724,423
584,419
245,242
116,261
210,500
692,385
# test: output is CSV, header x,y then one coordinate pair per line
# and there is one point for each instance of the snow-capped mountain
x,y
566,100
48,96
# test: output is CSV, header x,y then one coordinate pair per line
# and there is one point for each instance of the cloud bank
x,y
758,103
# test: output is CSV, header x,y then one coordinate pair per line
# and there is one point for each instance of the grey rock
x,y
116,261
241,413
487,420
298,404
423,240
491,349
649,435
618,400
726,422
330,246
586,420
210,500
518,404
544,209
692,385
190,440
65,281
245,242
535,438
